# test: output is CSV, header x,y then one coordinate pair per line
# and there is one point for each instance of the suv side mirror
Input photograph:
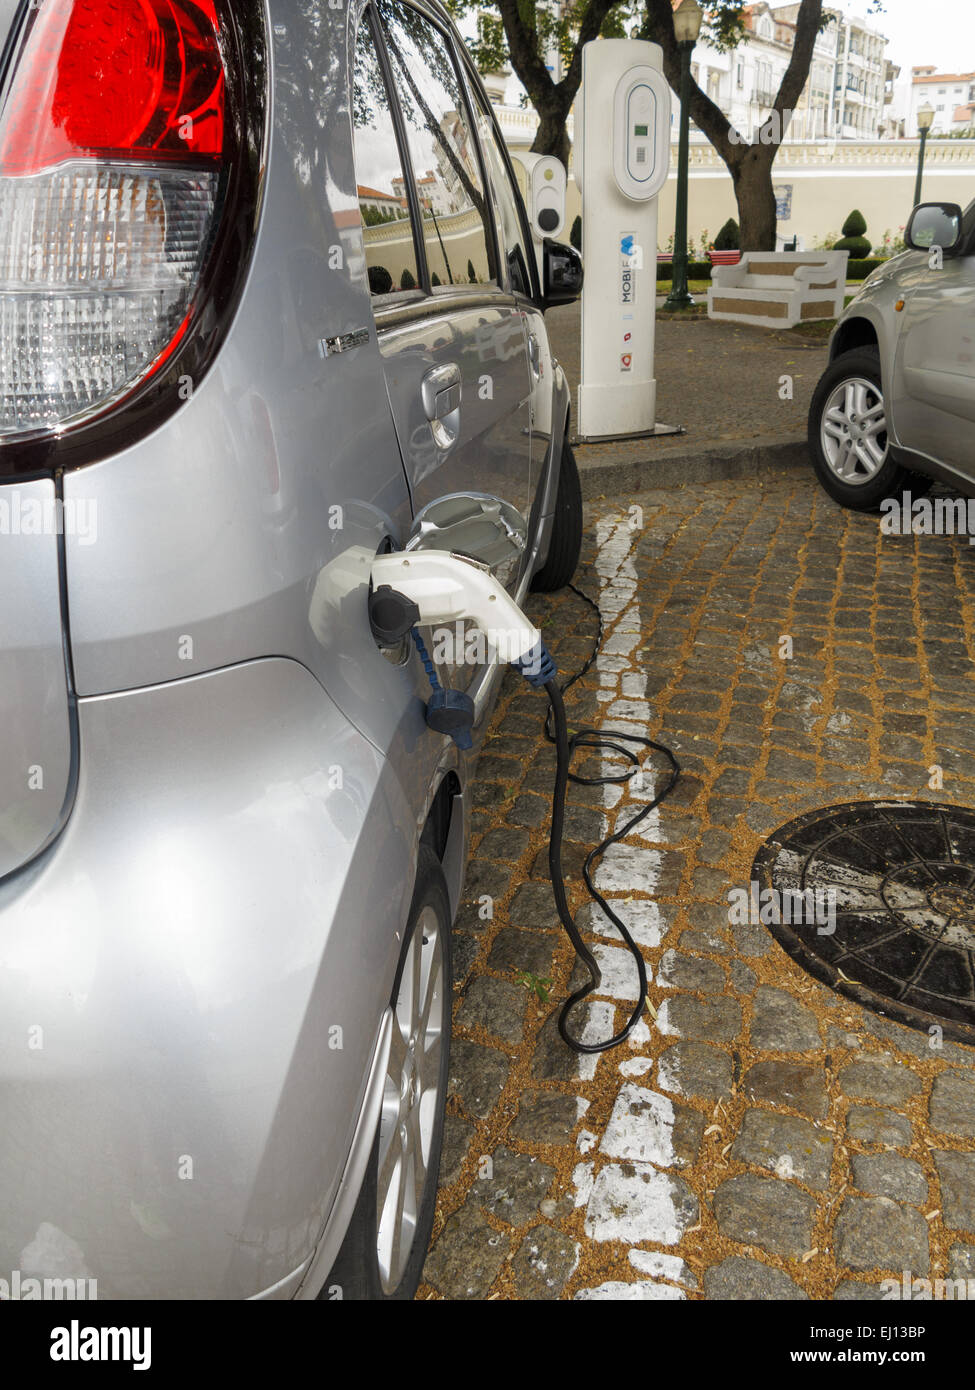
x,y
935,224
562,273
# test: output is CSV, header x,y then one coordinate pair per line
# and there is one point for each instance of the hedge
x,y
696,270
859,270
701,270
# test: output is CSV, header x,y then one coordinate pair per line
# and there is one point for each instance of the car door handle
x,y
441,391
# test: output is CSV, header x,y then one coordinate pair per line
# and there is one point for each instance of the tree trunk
x,y
752,178
750,165
552,136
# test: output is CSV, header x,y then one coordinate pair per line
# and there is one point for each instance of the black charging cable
x,y
622,743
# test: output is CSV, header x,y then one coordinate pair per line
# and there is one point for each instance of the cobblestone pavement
x,y
762,1137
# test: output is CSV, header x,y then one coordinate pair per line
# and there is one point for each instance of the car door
x,y
451,333
933,396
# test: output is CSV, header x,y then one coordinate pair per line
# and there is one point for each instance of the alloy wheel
x,y
411,1098
853,431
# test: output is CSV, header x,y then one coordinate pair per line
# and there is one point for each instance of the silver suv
x,y
269,307
895,408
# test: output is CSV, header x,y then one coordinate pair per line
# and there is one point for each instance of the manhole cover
x,y
887,907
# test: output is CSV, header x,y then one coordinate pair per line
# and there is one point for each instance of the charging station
x,y
625,154
542,181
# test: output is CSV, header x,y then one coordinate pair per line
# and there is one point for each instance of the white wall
x,y
878,179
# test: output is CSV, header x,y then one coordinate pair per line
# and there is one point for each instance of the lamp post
x,y
925,115
687,26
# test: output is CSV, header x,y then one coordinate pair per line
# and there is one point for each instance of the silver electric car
x,y
895,408
270,306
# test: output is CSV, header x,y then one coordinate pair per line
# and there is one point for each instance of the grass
x,y
815,328
694,286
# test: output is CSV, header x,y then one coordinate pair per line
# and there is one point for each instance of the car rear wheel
x,y
848,438
383,1252
566,542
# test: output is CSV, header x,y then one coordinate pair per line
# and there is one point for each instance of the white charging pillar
x,y
542,180
625,153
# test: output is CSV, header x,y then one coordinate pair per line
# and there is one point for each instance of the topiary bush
x,y
380,280
853,239
472,273
729,237
407,281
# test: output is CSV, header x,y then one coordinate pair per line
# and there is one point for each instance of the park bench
x,y
775,289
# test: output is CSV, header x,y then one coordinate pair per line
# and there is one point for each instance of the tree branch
x,y
706,115
592,23
797,73
525,57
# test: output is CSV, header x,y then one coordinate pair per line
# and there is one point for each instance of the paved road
x,y
763,1138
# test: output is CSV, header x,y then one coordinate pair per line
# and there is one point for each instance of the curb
x,y
601,474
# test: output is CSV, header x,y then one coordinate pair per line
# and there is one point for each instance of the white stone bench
x,y
777,289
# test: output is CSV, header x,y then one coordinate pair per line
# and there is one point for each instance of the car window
x,y
442,149
507,213
387,227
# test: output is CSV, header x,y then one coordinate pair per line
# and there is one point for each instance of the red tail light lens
x,y
117,137
126,79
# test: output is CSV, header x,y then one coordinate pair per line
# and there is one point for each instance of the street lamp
x,y
687,26
925,115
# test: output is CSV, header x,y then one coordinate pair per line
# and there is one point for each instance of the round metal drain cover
x,y
877,900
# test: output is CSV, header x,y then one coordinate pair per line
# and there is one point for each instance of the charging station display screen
x,y
641,130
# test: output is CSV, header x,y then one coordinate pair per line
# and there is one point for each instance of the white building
x,y
952,94
388,204
846,95
861,85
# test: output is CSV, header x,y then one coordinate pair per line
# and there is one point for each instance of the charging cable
x,y
616,740
428,587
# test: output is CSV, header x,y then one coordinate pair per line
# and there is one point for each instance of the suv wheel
x,y
566,542
386,1244
848,434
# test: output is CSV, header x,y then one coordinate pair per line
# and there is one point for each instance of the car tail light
x,y
118,135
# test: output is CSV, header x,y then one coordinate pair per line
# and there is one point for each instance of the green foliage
x,y
406,281
855,224
535,984
860,269
558,27
891,245
858,246
471,273
853,239
375,217
729,238
380,280
575,235
435,279
696,270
